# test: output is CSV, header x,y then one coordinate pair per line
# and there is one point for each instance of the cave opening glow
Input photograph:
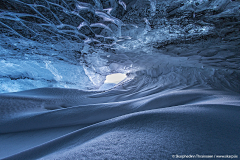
x,y
115,78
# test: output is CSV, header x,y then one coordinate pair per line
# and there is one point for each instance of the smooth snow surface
x,y
179,94
118,124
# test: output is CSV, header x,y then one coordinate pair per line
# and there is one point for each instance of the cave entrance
x,y
112,80
115,78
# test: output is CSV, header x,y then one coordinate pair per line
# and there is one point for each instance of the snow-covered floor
x,y
98,125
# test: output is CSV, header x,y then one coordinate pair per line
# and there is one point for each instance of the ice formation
x,y
180,96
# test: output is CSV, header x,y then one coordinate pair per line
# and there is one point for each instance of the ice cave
x,y
119,79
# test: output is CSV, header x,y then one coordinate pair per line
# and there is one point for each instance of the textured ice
x,y
180,96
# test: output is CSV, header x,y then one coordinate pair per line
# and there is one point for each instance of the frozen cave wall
x,y
76,43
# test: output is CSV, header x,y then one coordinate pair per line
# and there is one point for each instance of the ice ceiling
x,y
77,43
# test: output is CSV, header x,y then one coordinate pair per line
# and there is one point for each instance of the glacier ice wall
x,y
76,43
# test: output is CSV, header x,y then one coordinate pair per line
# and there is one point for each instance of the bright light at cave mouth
x,y
115,78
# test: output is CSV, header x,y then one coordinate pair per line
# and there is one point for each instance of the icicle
x,y
98,4
101,25
122,4
109,18
82,6
153,4
108,10
81,25
147,24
